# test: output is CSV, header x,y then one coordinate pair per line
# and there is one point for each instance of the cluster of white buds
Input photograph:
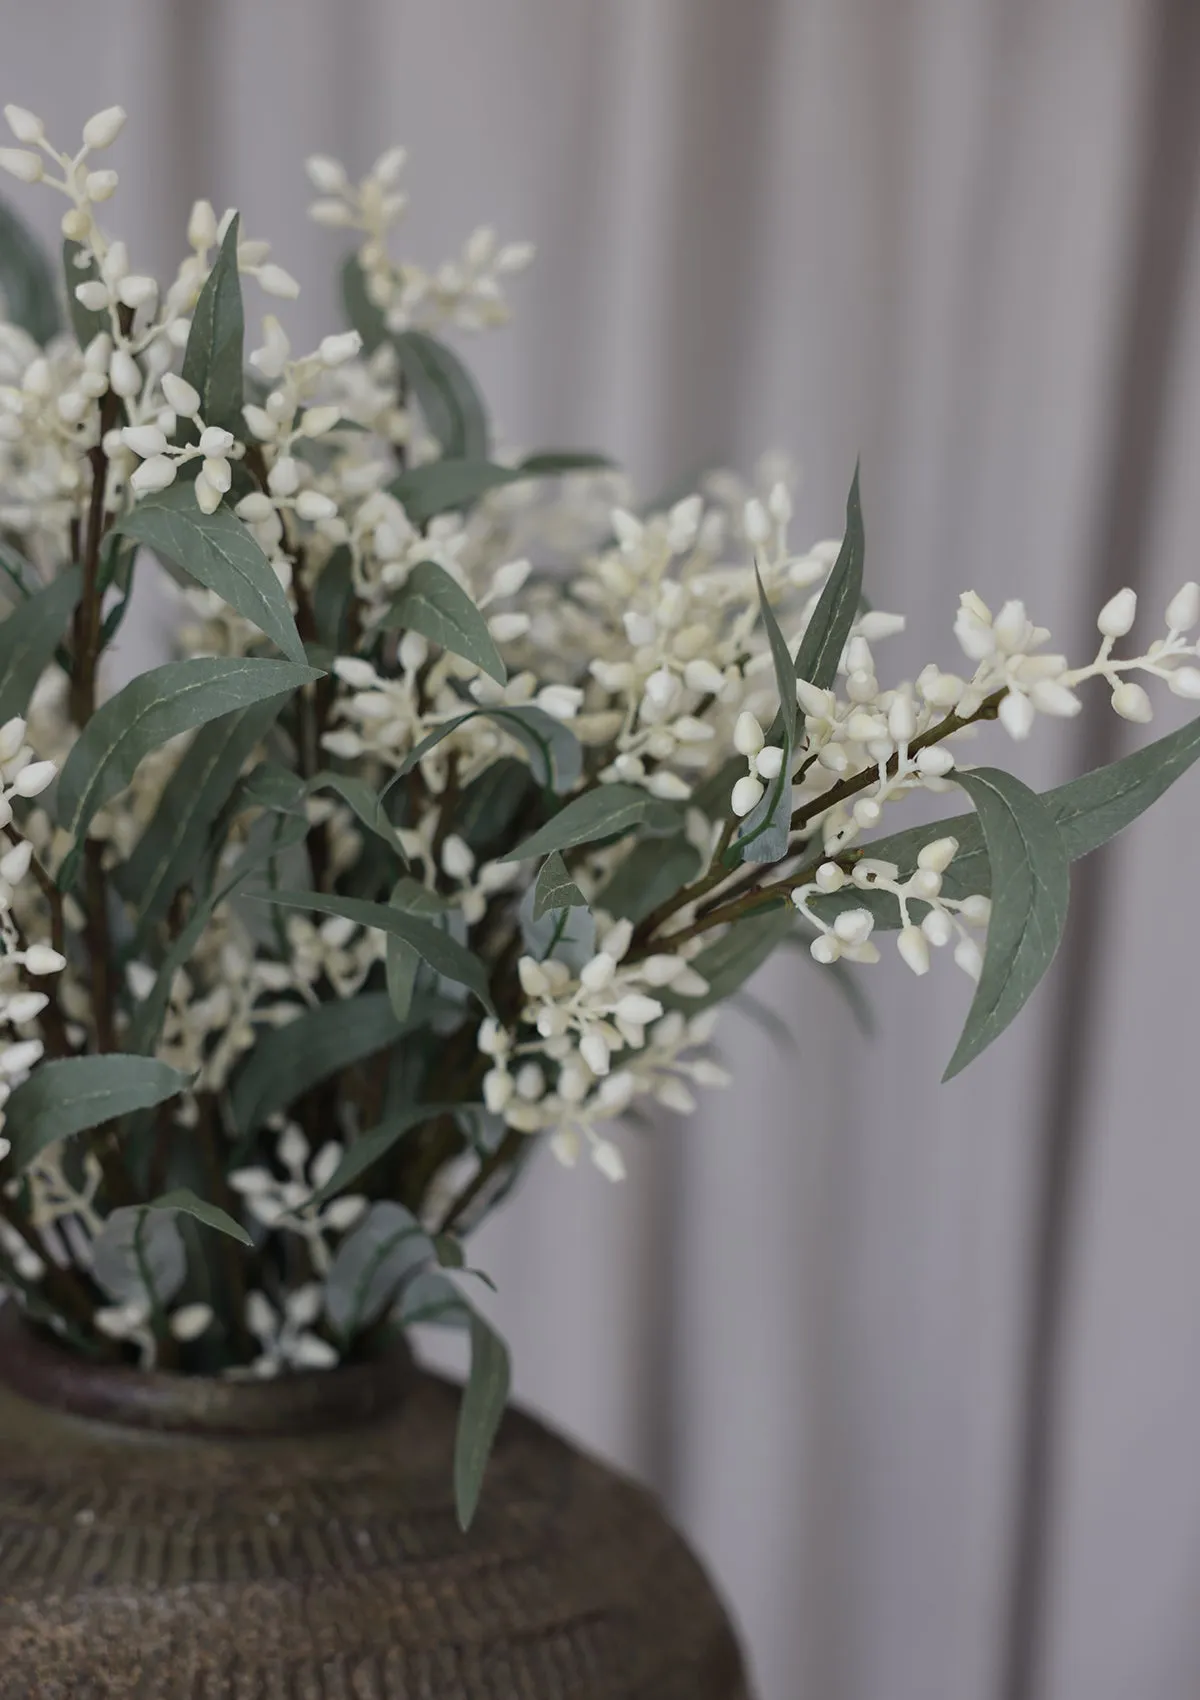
x,y
285,1335
21,960
466,292
131,1322
161,459
766,761
285,1205
84,184
849,935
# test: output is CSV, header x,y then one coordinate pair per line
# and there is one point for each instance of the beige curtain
x,y
918,1367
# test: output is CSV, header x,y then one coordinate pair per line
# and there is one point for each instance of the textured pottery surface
x,y
325,1565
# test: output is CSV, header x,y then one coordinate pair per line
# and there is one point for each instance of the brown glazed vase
x,y
166,1538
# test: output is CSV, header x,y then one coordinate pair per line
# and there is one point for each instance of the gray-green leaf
x,y
371,1266
137,1257
174,843
785,673
218,552
184,1202
483,1402
27,283
369,1147
448,486
837,607
445,394
69,1094
286,1061
153,708
1030,888
431,943
212,360
609,811
738,954
29,637
432,604
555,756
554,888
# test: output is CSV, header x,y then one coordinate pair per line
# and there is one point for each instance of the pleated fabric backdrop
x,y
918,1367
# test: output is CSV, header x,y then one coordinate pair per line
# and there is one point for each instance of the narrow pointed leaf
x,y
369,1147
556,759
182,1201
554,888
837,608
218,552
609,811
67,1095
331,598
1030,888
401,965
364,803
29,637
212,360
448,486
27,284
431,943
174,843
483,1402
785,673
549,463
432,604
153,708
286,1061
362,315
652,872
445,394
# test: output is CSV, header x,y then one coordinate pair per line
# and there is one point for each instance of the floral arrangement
x,y
470,796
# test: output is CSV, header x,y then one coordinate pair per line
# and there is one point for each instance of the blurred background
x,y
916,1367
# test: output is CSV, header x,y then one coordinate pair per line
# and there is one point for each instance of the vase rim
x,y
300,1402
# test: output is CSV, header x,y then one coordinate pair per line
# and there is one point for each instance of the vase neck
x,y
306,1401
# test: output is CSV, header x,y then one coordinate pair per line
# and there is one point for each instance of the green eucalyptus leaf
x,y
556,758
86,322
652,872
447,486
174,842
785,672
154,708
183,1202
434,605
1030,888
17,570
218,552
369,1147
138,1257
431,943
30,293
550,463
401,965
286,1061
364,803
569,934
362,314
67,1095
445,393
212,360
29,636
332,596
483,1402
610,811
371,1266
821,648
554,888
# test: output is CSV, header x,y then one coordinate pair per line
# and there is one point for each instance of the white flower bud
x,y
914,949
825,949
902,721
747,794
144,440
34,779
284,477
1011,626
102,130
16,1059
457,858
598,973
218,472
938,928
769,761
136,291
925,883
1185,682
934,763
314,505
316,421
14,864
867,811
26,167
662,687
275,281
1051,696
214,441
326,175
1016,715
854,926
190,1321
12,736
208,492
638,1010
608,1160
977,909
76,224
814,701
335,350
202,225
25,1006
154,474
669,786
95,297
595,1053
1131,702
1183,610
124,374
969,957
1117,615
497,1089
757,522
535,982
747,734
260,423
26,126
100,185
181,397
703,677
937,857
